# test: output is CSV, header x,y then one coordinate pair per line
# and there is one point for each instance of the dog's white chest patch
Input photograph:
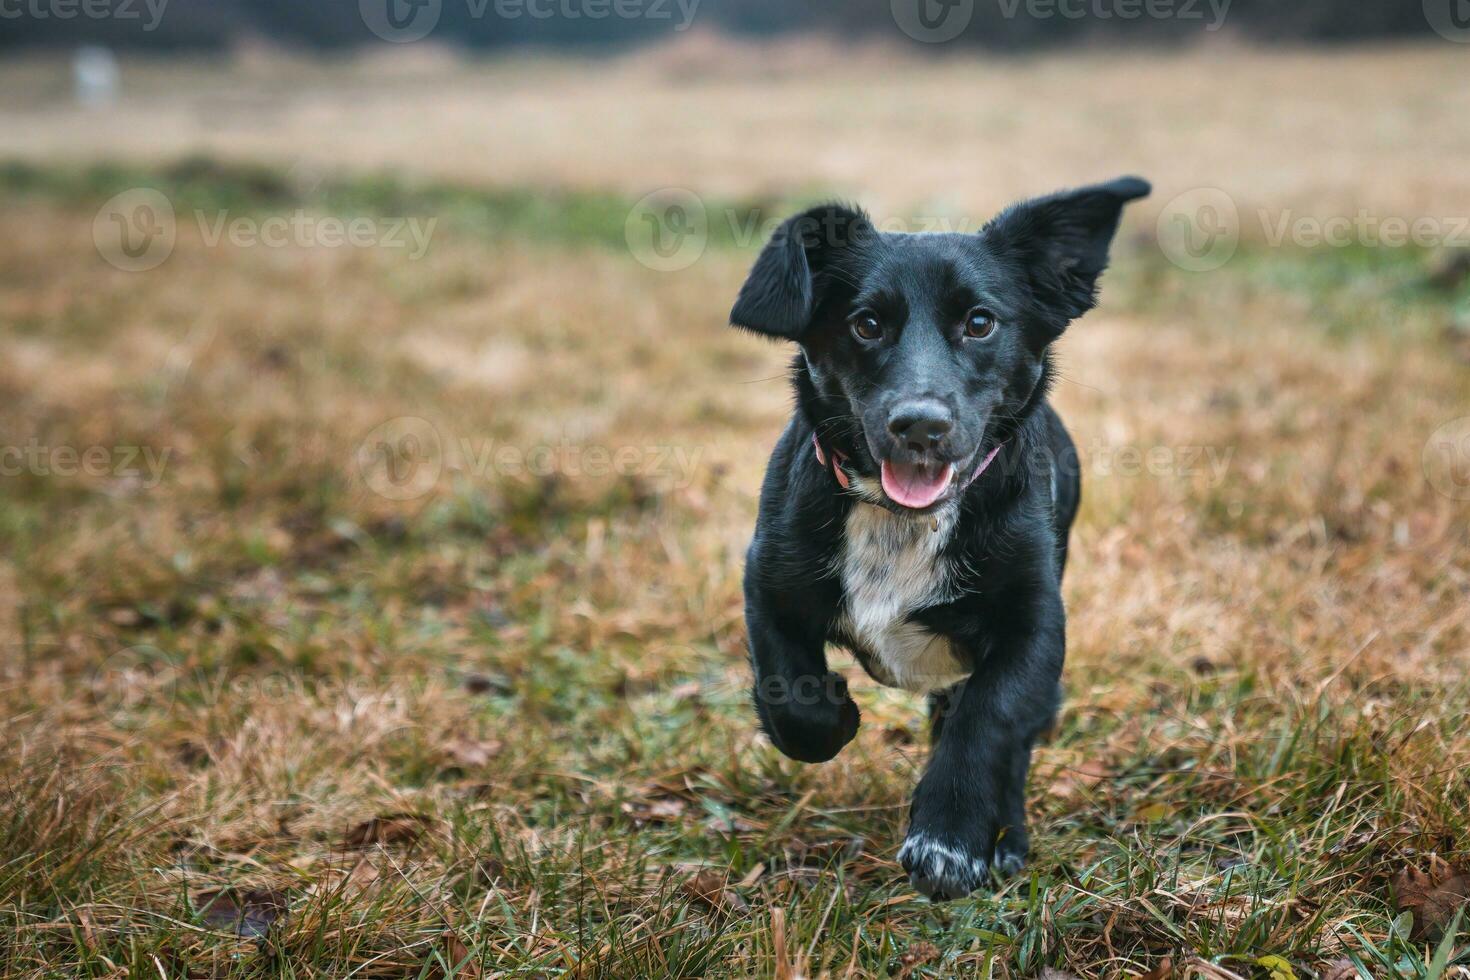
x,y
892,566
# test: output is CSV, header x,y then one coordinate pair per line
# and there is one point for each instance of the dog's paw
x,y
942,869
1010,854
813,722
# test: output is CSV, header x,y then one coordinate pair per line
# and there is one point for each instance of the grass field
x,y
374,615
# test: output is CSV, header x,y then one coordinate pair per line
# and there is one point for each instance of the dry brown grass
x,y
1323,132
209,683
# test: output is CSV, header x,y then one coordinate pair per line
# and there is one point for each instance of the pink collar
x,y
983,466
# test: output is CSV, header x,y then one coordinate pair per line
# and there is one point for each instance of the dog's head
x,y
924,351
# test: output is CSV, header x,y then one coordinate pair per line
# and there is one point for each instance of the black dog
x,y
917,507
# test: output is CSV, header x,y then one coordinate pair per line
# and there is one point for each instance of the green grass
x,y
1345,289
537,216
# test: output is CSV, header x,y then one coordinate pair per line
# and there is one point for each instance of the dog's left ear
x,y
1061,241
786,283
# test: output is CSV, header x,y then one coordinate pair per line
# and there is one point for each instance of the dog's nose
x,y
920,426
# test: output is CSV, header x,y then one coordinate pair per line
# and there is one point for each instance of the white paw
x,y
942,870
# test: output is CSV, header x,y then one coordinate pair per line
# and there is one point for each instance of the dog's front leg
x,y
803,707
968,813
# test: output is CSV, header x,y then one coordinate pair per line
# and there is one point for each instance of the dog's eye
x,y
979,324
865,326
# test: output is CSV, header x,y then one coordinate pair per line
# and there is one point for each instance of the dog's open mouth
x,y
916,485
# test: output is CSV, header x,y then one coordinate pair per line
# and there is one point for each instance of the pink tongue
x,y
911,486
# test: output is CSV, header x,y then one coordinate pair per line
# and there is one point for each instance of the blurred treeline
x,y
1000,24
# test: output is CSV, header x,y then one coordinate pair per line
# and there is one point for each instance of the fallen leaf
x,y
88,927
363,875
1049,974
391,828
1277,967
1340,970
457,955
1152,813
1163,971
710,887
474,753
1433,894
245,913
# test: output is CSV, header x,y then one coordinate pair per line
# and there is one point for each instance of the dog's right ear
x,y
785,284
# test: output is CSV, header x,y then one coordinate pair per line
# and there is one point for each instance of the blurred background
x,y
220,25
376,467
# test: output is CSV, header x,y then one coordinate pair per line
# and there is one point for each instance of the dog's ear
x,y
785,284
1061,241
